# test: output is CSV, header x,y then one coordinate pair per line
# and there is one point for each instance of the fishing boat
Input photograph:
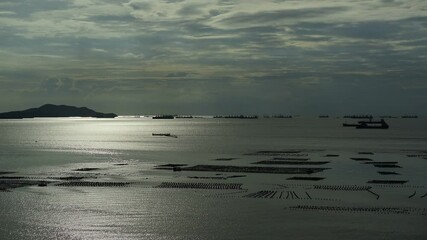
x,y
381,124
372,125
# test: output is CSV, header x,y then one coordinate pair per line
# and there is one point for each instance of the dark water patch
x,y
171,165
366,153
17,183
2,173
224,159
360,159
417,155
386,166
387,182
86,169
331,155
279,152
236,176
290,159
216,178
292,162
276,153
306,178
382,163
223,186
12,177
294,155
222,178
70,178
423,195
225,168
93,184
121,164
388,173
412,195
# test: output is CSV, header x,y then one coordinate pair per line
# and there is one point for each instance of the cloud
x,y
131,56
7,13
178,74
61,86
191,9
276,17
140,5
215,54
100,50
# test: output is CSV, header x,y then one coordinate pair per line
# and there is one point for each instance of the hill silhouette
x,y
50,110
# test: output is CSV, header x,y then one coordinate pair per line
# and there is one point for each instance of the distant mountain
x,y
50,110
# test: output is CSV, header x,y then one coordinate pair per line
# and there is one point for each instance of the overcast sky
x,y
215,57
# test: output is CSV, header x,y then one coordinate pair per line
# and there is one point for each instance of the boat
x,y
163,117
373,125
164,135
381,124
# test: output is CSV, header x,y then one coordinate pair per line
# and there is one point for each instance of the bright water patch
x,y
101,179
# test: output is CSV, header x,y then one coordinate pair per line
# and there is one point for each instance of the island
x,y
50,110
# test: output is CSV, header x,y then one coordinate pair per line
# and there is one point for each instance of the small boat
x,y
164,135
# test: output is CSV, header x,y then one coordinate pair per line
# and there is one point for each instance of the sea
x,y
84,178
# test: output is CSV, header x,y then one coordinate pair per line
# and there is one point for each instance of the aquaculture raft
x,y
247,169
200,185
93,184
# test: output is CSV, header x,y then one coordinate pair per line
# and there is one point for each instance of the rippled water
x,y
124,150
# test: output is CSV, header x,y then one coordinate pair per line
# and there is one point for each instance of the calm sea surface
x,y
124,150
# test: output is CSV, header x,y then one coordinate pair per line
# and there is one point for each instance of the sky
x,y
215,56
